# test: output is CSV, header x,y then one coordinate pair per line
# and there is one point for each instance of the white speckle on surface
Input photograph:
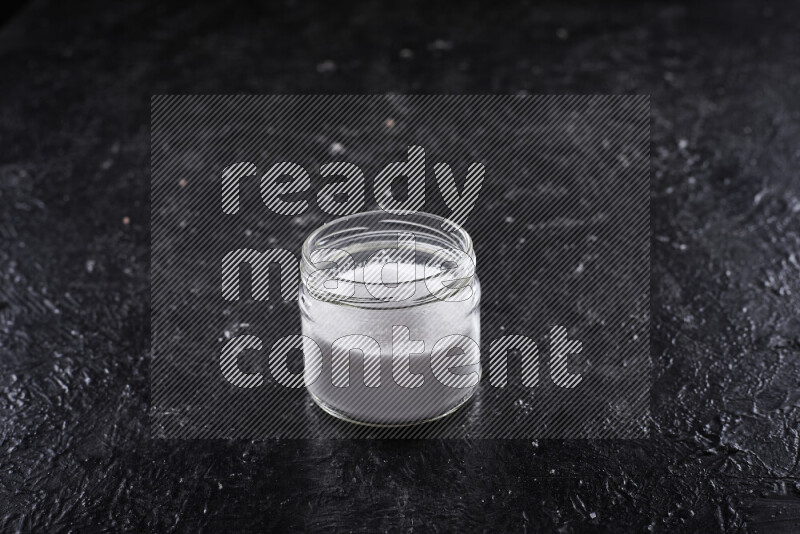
x,y
407,53
90,266
441,44
336,149
52,307
683,143
562,34
326,66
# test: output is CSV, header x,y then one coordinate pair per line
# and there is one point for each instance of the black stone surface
x,y
724,451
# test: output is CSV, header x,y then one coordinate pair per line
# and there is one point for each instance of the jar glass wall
x,y
392,303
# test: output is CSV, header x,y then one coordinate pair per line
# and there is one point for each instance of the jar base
x,y
332,411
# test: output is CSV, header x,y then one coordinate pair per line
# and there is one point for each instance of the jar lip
x,y
368,231
458,237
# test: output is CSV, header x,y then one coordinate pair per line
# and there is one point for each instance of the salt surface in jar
x,y
392,304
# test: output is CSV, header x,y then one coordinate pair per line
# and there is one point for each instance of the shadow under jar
x,y
392,304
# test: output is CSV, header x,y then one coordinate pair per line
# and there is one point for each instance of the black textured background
x,y
724,452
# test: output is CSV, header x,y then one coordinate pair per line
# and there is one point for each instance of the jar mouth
x,y
362,235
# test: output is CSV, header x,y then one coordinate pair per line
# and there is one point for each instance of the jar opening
x,y
389,257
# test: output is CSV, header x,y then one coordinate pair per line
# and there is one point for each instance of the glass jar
x,y
392,303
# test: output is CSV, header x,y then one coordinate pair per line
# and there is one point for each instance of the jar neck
x,y
377,258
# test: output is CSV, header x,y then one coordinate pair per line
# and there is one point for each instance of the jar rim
x,y
458,237
367,233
